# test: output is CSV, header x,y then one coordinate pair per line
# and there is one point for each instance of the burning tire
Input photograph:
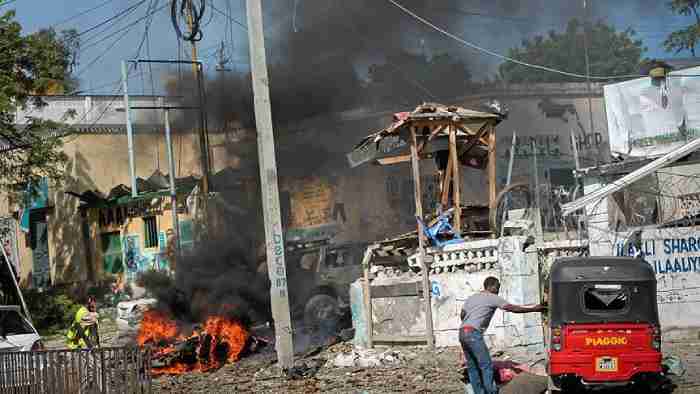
x,y
322,313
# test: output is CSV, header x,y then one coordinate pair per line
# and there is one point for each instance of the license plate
x,y
606,364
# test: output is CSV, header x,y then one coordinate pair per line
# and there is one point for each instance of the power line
x,y
115,16
410,80
538,22
146,27
127,26
230,18
195,15
498,55
148,52
96,36
101,55
81,13
108,84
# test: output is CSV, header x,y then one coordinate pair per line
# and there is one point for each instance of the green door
x,y
39,238
112,253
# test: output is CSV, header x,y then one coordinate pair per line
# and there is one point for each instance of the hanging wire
x,y
294,16
503,57
186,7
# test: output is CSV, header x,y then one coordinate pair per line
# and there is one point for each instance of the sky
x,y
104,47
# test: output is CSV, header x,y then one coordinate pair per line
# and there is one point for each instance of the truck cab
x,y
321,274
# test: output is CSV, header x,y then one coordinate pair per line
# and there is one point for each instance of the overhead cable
x,y
98,35
229,17
187,9
125,27
113,17
503,57
78,15
147,26
103,53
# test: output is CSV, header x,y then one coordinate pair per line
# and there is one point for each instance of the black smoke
x,y
319,52
218,278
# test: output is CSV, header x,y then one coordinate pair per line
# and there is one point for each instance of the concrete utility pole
x,y
129,130
276,266
173,191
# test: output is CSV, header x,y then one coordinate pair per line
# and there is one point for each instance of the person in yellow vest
x,y
83,331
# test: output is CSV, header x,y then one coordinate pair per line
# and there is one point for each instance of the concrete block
x,y
447,338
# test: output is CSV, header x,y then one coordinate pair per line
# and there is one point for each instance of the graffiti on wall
x,y
136,260
314,209
132,255
311,203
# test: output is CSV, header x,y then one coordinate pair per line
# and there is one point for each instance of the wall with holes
x,y
456,273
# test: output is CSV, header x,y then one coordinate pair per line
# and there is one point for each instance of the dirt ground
x,y
419,371
414,370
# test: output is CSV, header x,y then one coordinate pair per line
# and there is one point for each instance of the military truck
x,y
319,275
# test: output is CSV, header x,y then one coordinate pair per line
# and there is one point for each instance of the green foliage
x,y
687,38
30,65
610,53
406,78
52,311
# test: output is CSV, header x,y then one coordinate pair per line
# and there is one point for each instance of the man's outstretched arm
x,y
523,309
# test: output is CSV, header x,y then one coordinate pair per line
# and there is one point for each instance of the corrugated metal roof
x,y
471,122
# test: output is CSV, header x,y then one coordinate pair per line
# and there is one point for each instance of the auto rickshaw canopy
x,y
602,290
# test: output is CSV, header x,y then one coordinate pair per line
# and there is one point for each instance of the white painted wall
x,y
91,109
518,272
675,256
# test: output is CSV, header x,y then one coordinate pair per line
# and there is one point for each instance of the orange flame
x,y
156,327
219,341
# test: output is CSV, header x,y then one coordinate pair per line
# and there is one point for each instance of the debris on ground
x,y
305,369
525,383
673,365
366,358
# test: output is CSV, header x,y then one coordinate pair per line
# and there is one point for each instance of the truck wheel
x,y
322,312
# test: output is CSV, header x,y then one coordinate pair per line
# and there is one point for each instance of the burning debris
x,y
201,348
203,315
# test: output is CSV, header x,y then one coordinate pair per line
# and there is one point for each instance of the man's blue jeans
x,y
478,359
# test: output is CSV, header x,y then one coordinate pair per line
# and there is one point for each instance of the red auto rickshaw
x,y
604,326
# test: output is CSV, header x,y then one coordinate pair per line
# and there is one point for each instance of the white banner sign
x,y
650,119
675,256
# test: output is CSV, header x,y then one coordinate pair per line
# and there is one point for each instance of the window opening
x,y
150,226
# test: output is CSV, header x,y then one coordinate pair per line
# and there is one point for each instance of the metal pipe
x,y
203,149
509,176
536,189
171,170
129,131
14,282
165,61
156,107
586,29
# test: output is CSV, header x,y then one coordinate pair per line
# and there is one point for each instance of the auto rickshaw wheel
x,y
567,385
